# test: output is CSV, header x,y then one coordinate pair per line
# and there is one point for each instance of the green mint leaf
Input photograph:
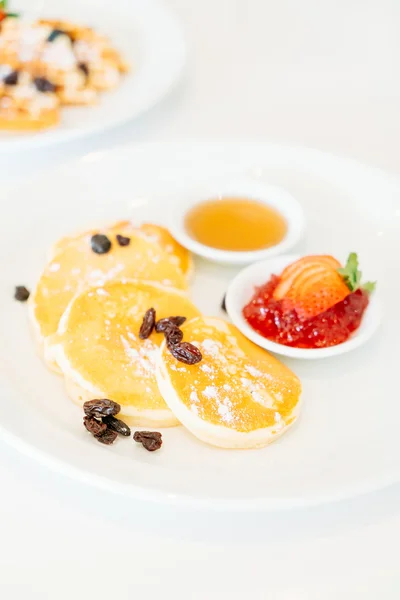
x,y
3,4
352,275
369,286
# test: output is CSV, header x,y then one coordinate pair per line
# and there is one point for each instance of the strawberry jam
x,y
279,323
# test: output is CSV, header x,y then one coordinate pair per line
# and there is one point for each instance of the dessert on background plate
x,y
26,103
46,64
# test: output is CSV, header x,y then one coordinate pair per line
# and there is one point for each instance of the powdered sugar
x,y
142,358
59,54
210,392
212,348
253,371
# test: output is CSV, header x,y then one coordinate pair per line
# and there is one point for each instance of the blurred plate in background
x,y
151,40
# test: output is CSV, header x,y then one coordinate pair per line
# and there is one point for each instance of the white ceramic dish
x,y
274,196
346,441
152,41
241,290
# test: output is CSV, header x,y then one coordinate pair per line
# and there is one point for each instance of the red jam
x,y
334,326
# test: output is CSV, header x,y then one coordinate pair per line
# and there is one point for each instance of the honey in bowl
x,y
235,224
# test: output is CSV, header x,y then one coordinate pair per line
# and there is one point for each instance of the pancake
x,y
180,256
75,265
238,396
100,354
163,237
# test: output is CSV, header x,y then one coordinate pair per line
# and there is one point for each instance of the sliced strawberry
x,y
299,266
317,291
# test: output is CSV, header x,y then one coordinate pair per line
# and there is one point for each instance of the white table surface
x,y
309,72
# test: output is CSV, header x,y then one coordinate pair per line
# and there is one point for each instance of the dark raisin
x,y
101,408
186,353
108,437
151,440
122,240
100,243
164,324
94,426
178,321
56,33
21,293
148,323
174,335
44,85
84,68
223,303
12,78
117,425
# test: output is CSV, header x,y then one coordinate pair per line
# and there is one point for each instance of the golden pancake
x,y
76,265
163,237
181,257
100,354
238,396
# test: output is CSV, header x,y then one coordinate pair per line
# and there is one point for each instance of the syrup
x,y
235,224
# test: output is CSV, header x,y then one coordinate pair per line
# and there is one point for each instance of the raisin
x,y
151,440
100,243
178,321
122,240
101,408
108,437
186,353
148,323
174,335
84,68
223,303
56,33
12,78
94,426
21,293
117,425
44,85
163,324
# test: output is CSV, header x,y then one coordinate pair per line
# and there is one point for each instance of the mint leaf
x,y
352,275
369,286
3,4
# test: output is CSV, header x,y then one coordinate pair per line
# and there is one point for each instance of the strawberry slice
x,y
299,266
316,290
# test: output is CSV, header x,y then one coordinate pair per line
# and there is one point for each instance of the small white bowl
x,y
275,197
242,289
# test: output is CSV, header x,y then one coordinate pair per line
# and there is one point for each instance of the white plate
x,y
346,441
149,37
241,290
